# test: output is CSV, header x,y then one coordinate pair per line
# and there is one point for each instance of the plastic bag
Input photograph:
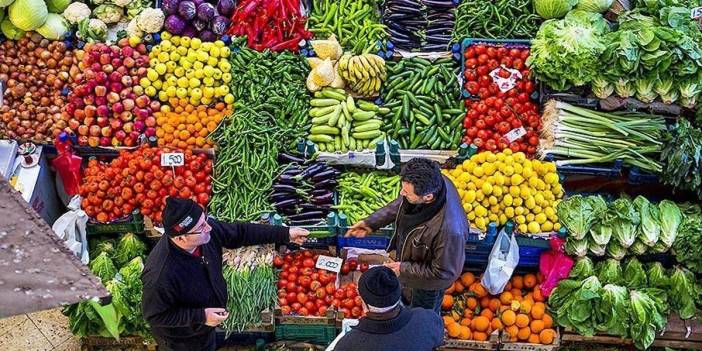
x,y
503,259
555,265
70,228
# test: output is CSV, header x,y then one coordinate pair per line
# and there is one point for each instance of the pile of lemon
x,y
188,68
496,187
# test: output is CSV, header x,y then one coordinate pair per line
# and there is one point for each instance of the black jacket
x,y
179,286
415,329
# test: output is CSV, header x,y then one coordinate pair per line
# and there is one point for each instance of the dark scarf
x,y
412,215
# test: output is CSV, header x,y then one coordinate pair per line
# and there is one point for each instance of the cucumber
x,y
367,135
328,93
320,120
366,128
321,111
367,106
324,130
324,102
362,115
334,117
350,105
320,138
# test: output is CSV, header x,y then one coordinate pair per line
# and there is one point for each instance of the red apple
x,y
94,131
106,131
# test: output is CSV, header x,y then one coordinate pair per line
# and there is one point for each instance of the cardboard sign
x,y
172,159
696,13
332,264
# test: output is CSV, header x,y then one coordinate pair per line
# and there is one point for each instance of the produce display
x,y
183,126
471,313
364,74
41,16
502,19
206,20
276,25
136,179
623,227
685,247
324,68
682,158
418,24
304,194
361,194
188,68
269,116
504,115
424,102
508,186
341,123
119,263
108,107
356,23
35,73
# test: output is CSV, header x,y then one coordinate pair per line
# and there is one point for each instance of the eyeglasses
x,y
198,230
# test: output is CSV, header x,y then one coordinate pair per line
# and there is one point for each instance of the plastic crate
x,y
315,334
637,176
378,240
455,344
508,43
607,171
507,345
479,245
530,250
98,343
134,223
322,235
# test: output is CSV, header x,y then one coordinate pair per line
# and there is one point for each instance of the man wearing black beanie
x,y
388,326
184,295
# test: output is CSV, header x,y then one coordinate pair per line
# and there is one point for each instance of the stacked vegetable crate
x,y
317,330
134,223
97,343
455,344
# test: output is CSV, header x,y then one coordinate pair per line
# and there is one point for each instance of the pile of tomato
x,y
306,291
136,180
492,113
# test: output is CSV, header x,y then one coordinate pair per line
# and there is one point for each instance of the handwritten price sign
x,y
696,13
172,159
329,263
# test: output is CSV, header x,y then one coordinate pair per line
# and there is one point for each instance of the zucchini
x,y
324,130
324,102
363,115
367,135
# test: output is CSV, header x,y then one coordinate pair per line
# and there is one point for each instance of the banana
x,y
369,68
344,63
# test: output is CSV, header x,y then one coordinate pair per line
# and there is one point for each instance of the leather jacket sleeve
x,y
385,215
441,268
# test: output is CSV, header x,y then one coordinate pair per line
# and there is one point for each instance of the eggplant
x,y
320,192
311,207
327,183
406,9
286,203
324,199
328,174
287,158
284,188
436,31
439,4
278,196
311,170
307,215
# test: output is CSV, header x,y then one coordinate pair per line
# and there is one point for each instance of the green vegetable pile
x,y
687,248
495,19
123,315
623,227
631,304
356,23
682,157
270,114
426,110
361,194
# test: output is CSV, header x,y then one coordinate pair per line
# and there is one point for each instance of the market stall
x,y
570,129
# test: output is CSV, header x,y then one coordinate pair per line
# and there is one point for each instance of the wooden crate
x,y
456,344
507,345
126,343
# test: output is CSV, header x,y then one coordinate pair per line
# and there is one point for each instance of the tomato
x,y
533,141
472,87
356,311
480,49
200,176
328,299
518,64
478,142
529,87
339,294
351,293
363,267
179,182
302,298
306,271
320,293
304,281
288,258
303,311
471,63
346,312
480,124
502,51
336,302
485,81
282,284
353,264
483,71
506,61
348,303
330,288
491,52
310,306
470,52
515,53
525,54
345,269
307,254
358,301
308,262
322,311
286,310
291,297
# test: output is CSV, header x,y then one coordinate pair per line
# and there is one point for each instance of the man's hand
x,y
359,230
298,235
215,316
395,266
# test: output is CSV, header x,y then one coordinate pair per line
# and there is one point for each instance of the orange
x,y
494,305
546,336
458,287
466,322
480,290
537,312
536,326
516,292
508,287
506,298
485,302
465,333
480,336
447,302
467,278
522,320
523,333
487,313
517,282
503,308
534,339
530,281
509,318
512,330
496,324
481,323
468,313
525,307
472,303
538,295
449,291
448,320
454,330
548,321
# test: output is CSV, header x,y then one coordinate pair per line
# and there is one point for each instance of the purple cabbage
x,y
225,7
220,25
174,24
200,24
198,2
205,11
189,31
186,10
206,35
169,7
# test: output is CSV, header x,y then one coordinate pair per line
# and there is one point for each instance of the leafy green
x,y
126,289
103,267
614,310
657,276
98,246
671,217
600,6
549,9
624,221
649,229
560,295
576,248
579,309
647,318
682,157
634,274
578,213
582,269
610,272
638,248
128,248
687,248
615,250
683,293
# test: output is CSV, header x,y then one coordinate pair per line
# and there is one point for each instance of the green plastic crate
x,y
315,334
133,224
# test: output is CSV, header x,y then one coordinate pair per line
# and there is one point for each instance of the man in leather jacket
x,y
430,230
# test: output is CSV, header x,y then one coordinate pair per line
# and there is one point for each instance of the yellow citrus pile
x,y
183,125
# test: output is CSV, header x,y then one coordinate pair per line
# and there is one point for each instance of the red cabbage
x,y
206,35
189,31
186,10
200,24
169,7
220,25
174,24
205,11
225,7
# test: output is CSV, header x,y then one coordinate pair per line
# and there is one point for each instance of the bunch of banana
x,y
340,123
364,74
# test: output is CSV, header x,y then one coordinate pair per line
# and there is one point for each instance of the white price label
x,y
172,159
696,13
505,78
329,263
515,134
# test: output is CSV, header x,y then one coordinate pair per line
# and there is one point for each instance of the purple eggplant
x,y
187,10
330,173
205,11
287,158
286,203
225,7
220,25
328,183
169,7
324,199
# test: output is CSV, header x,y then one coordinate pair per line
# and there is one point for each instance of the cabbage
x,y
657,276
639,248
602,88
615,250
579,310
54,28
634,274
10,31
57,6
624,88
595,248
576,247
614,310
128,248
671,217
600,6
28,14
582,269
649,228
645,89
225,7
103,267
5,3
174,24
647,318
609,272
683,293
553,8
578,213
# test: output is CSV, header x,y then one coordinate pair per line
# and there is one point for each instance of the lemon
x,y
162,96
471,216
547,226
485,202
518,201
522,228
171,91
179,72
163,57
183,82
224,52
539,198
165,44
171,66
493,217
524,192
489,169
519,157
516,179
467,207
158,84
469,196
471,186
480,222
182,51
530,202
212,61
202,55
481,211
533,227
478,171
556,226
537,209
527,172
198,65
486,188
493,200
182,93
160,69
165,35
509,170
530,217
501,157
497,191
144,82
549,212
490,157
503,219
520,219
194,83
195,43
214,51
219,43
174,56
153,61
191,56
551,178
540,218
221,90
509,212
150,91
514,191
217,74
206,45
519,210
508,200
194,101
208,92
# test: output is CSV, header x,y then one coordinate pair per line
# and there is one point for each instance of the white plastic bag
x,y
70,228
503,259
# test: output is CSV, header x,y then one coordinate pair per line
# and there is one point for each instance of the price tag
x,y
515,134
172,159
332,264
505,78
352,155
696,13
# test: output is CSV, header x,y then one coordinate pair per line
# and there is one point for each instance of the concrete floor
x,y
40,331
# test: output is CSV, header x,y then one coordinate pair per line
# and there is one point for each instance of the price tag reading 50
x,y
328,263
172,159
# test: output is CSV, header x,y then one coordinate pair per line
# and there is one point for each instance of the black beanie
x,y
180,216
379,287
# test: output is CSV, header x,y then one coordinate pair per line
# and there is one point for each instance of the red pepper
x,y
288,44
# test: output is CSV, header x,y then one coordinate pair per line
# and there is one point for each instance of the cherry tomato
x,y
471,63
491,52
480,49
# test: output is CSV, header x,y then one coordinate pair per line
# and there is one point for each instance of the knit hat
x,y
379,287
180,216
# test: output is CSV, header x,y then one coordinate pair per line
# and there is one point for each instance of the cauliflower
x,y
121,3
133,29
92,30
108,13
136,6
76,12
151,20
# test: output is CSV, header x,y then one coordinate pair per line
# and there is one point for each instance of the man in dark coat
x,y
388,326
185,294
430,231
